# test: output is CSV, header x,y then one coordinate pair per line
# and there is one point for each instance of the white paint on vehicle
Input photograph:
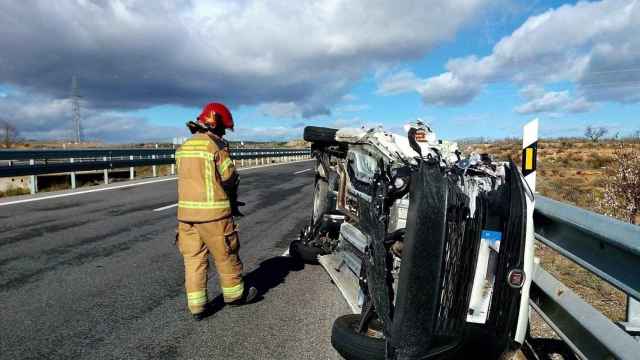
x,y
530,136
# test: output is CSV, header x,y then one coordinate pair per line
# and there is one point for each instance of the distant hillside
x,y
91,145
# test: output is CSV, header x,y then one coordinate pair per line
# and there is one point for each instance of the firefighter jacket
x,y
204,170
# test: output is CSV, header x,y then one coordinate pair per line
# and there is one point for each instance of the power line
x,y
75,109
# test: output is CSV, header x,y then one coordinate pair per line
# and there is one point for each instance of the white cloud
x,y
532,91
352,108
280,110
398,83
447,89
277,133
553,101
594,45
354,122
135,54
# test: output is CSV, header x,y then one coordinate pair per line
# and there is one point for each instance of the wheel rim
x,y
316,203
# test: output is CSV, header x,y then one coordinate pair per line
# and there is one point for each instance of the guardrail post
x,y
153,167
73,176
106,172
131,169
173,165
33,184
241,162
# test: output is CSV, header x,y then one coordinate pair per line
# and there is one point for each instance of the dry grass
x,y
14,191
604,297
569,171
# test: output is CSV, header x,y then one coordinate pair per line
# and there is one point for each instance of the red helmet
x,y
214,113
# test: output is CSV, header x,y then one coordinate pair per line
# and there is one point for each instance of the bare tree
x,y
8,133
622,189
595,133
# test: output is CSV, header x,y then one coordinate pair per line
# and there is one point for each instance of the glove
x,y
235,206
231,188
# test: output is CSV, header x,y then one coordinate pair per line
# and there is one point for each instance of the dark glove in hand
x,y
235,205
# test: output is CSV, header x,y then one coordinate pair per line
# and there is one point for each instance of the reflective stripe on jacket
x,y
203,163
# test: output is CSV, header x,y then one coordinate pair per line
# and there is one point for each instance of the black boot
x,y
199,316
248,296
210,308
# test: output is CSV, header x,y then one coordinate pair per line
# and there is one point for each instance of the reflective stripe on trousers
x,y
233,292
196,241
197,298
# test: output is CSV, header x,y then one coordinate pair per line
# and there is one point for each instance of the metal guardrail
x,y
609,249
40,162
14,163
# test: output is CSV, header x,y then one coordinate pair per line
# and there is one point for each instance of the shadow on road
x,y
272,272
269,274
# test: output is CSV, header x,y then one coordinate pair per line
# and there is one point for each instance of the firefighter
x,y
207,202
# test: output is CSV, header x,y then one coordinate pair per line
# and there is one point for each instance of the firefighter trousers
x,y
196,241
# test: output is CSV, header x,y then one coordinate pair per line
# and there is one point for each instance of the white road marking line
x,y
85,192
256,167
272,165
122,186
301,171
165,207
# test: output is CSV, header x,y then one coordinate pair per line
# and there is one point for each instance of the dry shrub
x,y
14,191
622,188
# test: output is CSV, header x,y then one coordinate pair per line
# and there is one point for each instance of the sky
x,y
470,68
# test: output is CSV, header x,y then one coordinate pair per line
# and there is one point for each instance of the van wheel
x,y
306,253
353,345
320,203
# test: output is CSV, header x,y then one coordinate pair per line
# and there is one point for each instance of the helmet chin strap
x,y
219,130
195,127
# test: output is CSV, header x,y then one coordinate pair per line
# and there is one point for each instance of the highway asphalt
x,y
97,276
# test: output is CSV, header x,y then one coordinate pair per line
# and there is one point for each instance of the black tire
x,y
319,134
305,253
352,345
